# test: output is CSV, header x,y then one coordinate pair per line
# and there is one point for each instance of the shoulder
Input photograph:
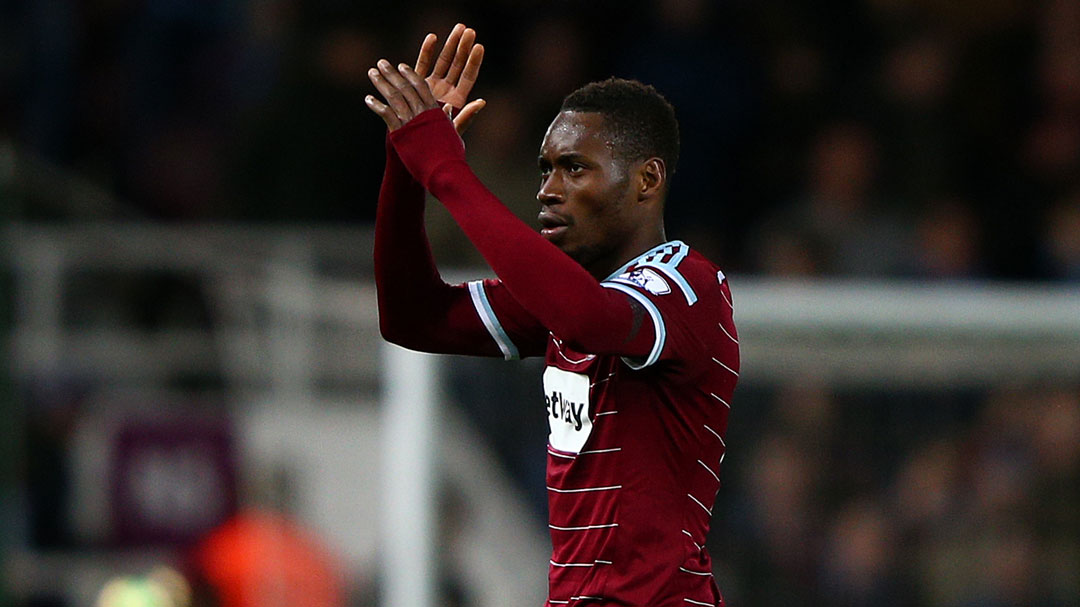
x,y
671,268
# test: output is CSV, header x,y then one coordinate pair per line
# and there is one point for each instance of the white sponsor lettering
x,y
566,395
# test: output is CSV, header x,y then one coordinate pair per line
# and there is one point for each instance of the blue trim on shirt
x,y
651,259
491,322
658,325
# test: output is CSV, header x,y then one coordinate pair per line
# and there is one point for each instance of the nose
x,y
551,191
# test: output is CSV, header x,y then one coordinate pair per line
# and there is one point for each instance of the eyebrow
x,y
566,157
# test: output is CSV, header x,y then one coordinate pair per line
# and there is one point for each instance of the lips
x,y
551,224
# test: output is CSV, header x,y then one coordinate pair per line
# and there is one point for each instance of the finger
x,y
448,109
419,85
391,94
467,114
384,112
408,92
465,45
472,71
427,53
446,57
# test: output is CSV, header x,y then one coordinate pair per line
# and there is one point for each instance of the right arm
x,y
417,310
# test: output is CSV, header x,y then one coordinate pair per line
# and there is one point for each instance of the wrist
x,y
427,141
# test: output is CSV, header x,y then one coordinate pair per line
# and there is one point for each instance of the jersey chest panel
x,y
571,395
566,395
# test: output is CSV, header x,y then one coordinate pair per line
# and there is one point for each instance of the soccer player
x,y
637,334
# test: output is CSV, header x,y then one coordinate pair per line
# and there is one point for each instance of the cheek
x,y
598,222
600,198
609,203
590,211
598,201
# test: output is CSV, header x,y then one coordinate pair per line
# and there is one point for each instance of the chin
x,y
577,254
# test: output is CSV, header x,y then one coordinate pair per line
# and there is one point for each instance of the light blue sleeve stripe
x,y
658,325
491,322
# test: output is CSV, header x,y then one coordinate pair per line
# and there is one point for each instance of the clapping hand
x,y
408,92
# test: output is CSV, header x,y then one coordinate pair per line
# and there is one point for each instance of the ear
x,y
652,178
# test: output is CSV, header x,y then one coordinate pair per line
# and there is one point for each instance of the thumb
x,y
467,114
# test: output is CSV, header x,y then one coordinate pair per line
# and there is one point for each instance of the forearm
x,y
417,309
553,287
545,281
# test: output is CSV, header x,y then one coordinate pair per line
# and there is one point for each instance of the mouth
x,y
551,225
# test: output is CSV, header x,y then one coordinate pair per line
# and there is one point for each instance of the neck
x,y
640,242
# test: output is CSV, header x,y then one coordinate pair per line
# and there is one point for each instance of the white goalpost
x,y
409,419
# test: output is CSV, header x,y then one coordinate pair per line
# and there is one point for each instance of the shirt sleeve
x,y
553,288
417,309
516,332
668,297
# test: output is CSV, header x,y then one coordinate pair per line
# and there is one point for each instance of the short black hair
x,y
640,120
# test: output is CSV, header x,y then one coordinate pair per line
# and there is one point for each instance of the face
x,y
587,196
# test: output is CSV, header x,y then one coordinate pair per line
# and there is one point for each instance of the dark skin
x,y
448,80
598,208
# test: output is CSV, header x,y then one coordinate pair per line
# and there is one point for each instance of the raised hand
x,y
449,80
406,94
454,73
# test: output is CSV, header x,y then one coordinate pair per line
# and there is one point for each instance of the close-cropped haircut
x,y
639,119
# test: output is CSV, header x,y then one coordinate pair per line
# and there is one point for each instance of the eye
x,y
575,168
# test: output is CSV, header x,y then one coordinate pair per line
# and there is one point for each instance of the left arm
x,y
550,285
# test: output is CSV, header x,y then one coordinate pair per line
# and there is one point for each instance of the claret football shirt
x,y
635,445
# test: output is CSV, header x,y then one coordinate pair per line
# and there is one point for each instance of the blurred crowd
x,y
943,499
865,497
856,138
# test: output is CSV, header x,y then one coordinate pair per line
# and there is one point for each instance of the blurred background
x,y
197,407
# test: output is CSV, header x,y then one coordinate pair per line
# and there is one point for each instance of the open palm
x,y
455,70
445,81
